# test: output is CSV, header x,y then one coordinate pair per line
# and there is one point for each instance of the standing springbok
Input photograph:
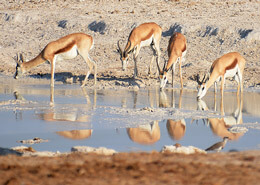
x,y
229,65
67,47
176,51
144,35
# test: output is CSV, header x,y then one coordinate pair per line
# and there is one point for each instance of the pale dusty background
x,y
212,28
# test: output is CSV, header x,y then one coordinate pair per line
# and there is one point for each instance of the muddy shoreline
x,y
133,168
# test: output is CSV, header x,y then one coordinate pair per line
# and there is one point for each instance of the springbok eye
x,y
203,88
165,78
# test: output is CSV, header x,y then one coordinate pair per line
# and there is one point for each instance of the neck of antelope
x,y
25,66
172,59
211,80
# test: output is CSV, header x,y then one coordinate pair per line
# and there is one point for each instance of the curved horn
x,y
204,78
164,66
19,58
128,48
198,79
165,63
119,48
160,71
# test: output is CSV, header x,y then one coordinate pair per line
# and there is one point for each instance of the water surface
x,y
80,116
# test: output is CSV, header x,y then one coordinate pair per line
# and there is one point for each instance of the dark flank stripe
x,y
233,65
148,36
184,49
65,49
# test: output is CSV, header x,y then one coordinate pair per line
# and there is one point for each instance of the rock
x,y
99,27
7,151
149,109
182,149
238,129
63,23
42,154
29,151
69,80
253,36
117,83
33,141
136,88
87,149
23,149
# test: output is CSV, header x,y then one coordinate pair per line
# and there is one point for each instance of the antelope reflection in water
x,y
73,115
176,127
219,126
145,134
76,134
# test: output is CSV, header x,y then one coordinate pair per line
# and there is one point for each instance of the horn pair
x,y
126,50
19,58
205,78
164,66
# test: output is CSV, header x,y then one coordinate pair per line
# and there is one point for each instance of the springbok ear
x,y
21,58
119,49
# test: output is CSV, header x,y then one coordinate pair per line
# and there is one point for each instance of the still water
x,y
86,117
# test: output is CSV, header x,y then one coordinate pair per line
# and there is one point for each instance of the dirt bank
x,y
133,168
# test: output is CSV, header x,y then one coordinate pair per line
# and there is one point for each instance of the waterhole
x,y
125,120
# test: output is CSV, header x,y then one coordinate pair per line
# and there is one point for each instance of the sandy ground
x,y
134,168
212,28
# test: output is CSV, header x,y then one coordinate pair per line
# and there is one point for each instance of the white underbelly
x,y
184,53
231,72
147,42
72,53
183,56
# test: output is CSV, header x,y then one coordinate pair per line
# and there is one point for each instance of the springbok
x,y
144,35
219,126
176,51
145,134
229,65
67,47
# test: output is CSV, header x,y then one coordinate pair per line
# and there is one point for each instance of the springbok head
x,y
162,75
124,54
202,88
